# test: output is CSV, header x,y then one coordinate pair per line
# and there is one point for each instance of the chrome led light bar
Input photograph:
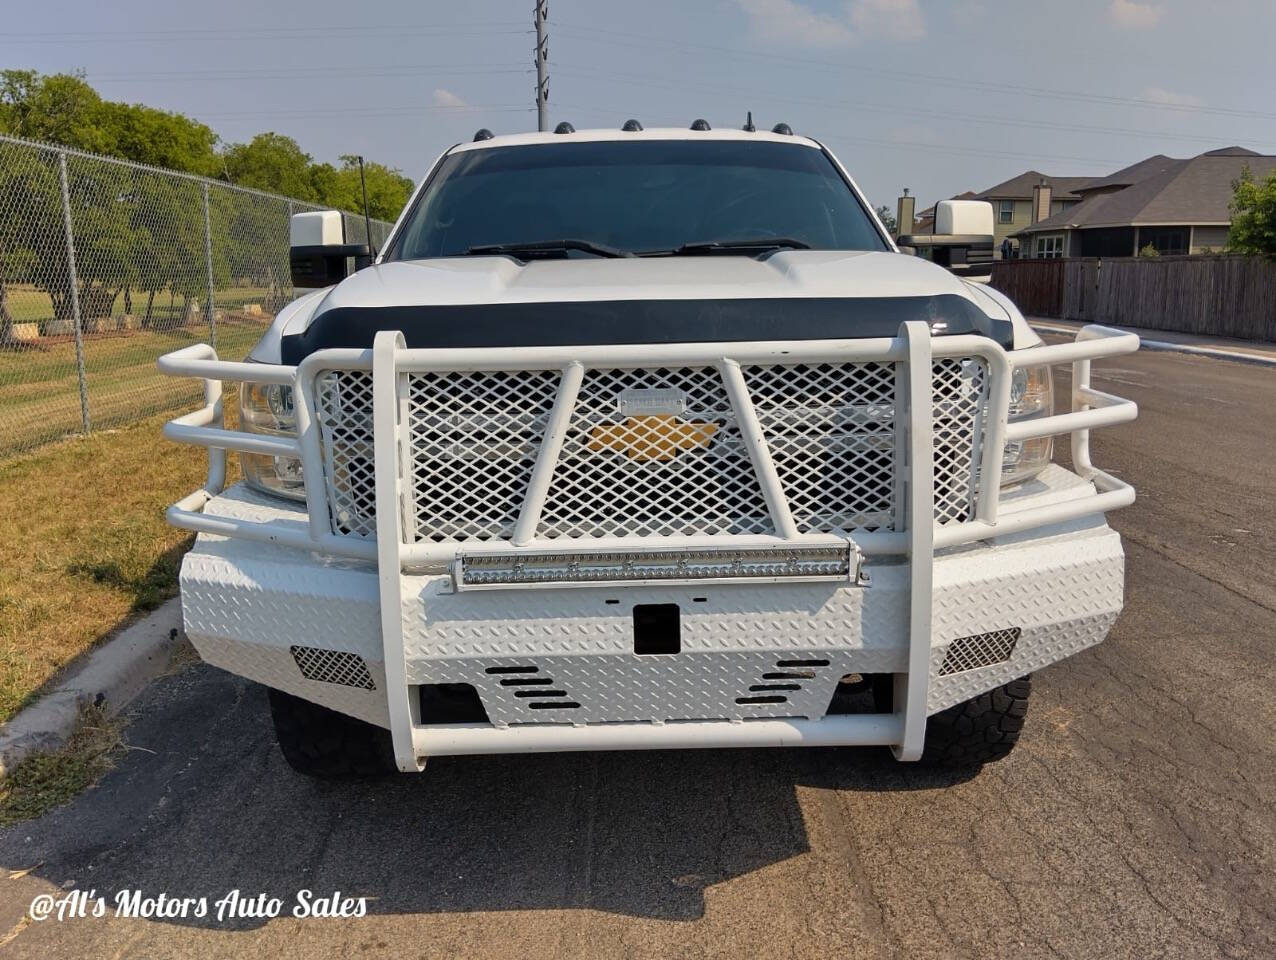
x,y
789,562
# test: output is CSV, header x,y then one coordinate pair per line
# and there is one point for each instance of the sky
x,y
939,96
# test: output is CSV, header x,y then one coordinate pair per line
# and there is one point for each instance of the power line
x,y
436,70
642,42
910,145
260,33
288,113
1018,122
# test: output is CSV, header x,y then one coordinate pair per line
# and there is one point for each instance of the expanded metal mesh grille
x,y
626,473
333,666
474,440
152,273
960,390
650,452
343,402
831,431
981,650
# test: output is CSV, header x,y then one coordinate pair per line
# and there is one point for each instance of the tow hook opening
x,y
657,628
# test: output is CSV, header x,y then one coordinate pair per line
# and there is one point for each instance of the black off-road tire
x,y
980,730
322,743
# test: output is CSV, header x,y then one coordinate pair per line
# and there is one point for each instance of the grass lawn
x,y
85,546
28,304
39,388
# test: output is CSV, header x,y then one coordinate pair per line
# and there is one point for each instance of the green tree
x,y
1253,211
271,162
61,109
135,231
161,139
388,189
887,216
167,224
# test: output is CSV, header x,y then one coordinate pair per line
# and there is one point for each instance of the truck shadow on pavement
x,y
205,804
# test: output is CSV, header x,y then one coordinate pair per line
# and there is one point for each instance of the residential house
x,y
1012,203
1014,200
1174,206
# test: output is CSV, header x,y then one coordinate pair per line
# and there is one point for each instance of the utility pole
x,y
542,63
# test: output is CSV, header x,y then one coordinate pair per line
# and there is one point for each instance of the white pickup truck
x,y
640,439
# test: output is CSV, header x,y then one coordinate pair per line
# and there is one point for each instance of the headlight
x,y
268,408
1031,397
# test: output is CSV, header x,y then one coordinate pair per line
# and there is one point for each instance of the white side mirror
x,y
318,253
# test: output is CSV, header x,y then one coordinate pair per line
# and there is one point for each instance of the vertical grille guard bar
x,y
912,688
387,396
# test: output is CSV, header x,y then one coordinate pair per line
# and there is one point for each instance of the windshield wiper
x,y
750,247
546,248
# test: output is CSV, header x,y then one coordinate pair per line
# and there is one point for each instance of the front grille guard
x,y
394,550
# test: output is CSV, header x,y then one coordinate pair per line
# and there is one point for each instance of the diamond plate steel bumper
x,y
247,605
971,604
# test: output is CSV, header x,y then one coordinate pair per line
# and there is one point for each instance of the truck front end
x,y
596,541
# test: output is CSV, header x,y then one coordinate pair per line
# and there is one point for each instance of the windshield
x,y
650,196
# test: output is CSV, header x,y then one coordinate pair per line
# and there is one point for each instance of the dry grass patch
x,y
43,781
40,393
85,546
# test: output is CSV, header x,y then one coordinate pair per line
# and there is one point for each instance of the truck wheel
x,y
322,743
978,731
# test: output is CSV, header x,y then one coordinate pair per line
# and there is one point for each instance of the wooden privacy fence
x,y
1222,296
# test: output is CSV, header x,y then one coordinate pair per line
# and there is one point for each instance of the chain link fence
x,y
105,265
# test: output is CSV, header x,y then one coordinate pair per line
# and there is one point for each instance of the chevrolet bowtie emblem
x,y
651,438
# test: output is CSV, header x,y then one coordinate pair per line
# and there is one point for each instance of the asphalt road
x,y
1136,819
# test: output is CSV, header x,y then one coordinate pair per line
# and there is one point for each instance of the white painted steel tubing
x,y
852,730
222,439
529,516
200,360
635,356
1107,415
1118,495
1085,347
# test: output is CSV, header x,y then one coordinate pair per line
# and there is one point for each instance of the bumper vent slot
x,y
333,666
981,650
791,674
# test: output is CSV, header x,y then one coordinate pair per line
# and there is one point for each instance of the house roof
x,y
1195,191
1231,152
1131,174
1020,187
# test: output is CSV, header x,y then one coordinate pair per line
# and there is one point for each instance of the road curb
x,y
110,677
1171,347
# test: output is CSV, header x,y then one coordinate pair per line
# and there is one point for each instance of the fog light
x,y
548,569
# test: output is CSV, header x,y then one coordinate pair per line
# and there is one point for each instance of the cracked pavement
x,y
1136,819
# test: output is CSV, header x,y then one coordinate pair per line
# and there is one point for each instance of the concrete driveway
x,y
1136,819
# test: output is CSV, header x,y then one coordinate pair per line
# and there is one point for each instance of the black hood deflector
x,y
594,322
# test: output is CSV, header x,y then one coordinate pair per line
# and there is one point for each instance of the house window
x,y
1050,247
1167,241
1006,211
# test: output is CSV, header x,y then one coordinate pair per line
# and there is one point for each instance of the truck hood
x,y
498,279
498,301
